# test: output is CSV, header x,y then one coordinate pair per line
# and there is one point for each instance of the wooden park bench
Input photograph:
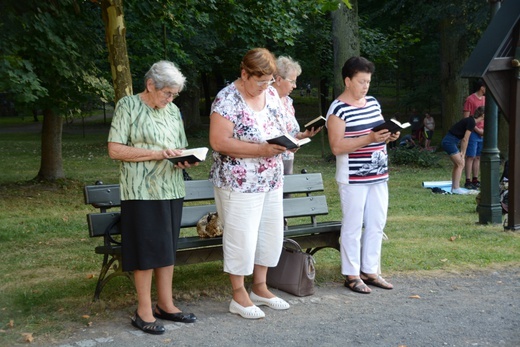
x,y
306,200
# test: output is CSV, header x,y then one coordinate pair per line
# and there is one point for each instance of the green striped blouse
x,y
136,124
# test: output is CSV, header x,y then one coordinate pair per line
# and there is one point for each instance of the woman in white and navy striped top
x,y
362,175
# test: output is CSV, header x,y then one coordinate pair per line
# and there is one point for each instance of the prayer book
x,y
289,141
315,123
392,125
192,156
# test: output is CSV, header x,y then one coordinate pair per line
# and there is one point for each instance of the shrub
x,y
413,157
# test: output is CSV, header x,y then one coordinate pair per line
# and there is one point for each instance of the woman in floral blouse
x,y
247,173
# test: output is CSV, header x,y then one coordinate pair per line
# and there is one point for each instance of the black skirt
x,y
149,233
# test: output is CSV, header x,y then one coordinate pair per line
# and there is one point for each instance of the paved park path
x,y
476,308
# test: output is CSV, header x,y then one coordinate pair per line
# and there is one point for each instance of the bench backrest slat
x,y
99,222
109,195
199,190
300,183
192,214
303,183
305,206
102,196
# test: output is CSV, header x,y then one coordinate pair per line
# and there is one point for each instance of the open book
x,y
393,125
315,123
289,141
193,155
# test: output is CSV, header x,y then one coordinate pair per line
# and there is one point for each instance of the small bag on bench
x,y
210,225
295,271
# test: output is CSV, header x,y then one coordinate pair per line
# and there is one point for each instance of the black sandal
x,y
147,327
377,281
357,285
179,317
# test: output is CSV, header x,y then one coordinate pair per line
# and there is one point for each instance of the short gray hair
x,y
286,65
165,74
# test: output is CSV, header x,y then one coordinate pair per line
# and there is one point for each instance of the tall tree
x,y
115,35
345,37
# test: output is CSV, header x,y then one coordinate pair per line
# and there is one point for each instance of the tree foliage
x,y
403,38
51,54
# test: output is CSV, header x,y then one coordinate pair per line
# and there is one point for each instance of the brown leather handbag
x,y
295,271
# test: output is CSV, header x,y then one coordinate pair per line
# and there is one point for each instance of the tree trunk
x,y
189,104
345,38
51,165
454,89
207,94
115,31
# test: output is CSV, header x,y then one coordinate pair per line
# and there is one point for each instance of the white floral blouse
x,y
248,175
293,127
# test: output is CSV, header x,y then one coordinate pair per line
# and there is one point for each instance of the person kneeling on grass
x,y
460,133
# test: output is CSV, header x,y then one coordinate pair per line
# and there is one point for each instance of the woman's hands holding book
x,y
309,133
383,136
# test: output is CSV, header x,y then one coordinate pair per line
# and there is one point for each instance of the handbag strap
x,y
291,245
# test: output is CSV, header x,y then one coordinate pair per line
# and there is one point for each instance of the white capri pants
x,y
362,205
253,229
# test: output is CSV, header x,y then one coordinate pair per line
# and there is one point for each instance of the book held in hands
x,y
315,123
192,156
392,125
288,141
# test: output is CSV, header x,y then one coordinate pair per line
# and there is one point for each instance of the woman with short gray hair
x,y
287,71
146,130
165,74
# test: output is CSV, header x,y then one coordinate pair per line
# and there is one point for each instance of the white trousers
x,y
253,229
362,205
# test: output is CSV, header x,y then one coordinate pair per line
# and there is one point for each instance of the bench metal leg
x,y
115,264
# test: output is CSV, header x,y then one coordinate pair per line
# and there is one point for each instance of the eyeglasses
x,y
169,95
293,82
264,83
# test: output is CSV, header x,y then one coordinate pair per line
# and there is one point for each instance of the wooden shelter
x,y
496,59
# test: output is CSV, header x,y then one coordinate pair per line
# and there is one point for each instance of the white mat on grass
x,y
445,185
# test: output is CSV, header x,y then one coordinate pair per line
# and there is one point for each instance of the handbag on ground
x,y
295,271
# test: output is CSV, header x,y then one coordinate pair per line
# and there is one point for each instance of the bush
x,y
415,156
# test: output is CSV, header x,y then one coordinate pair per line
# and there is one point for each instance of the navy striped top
x,y
368,164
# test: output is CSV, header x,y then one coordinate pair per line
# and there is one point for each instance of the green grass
x,y
49,268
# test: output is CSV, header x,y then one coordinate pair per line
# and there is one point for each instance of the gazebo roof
x,y
496,42
493,57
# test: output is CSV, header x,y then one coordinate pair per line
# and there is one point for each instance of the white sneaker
x,y
459,191
250,312
275,303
